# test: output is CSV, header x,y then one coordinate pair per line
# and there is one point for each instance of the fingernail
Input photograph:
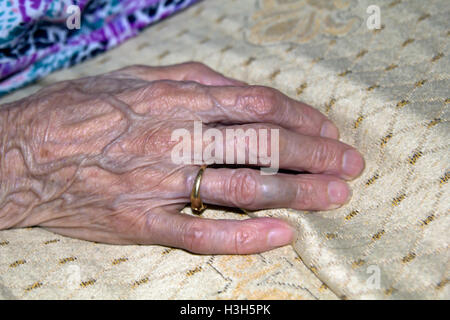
x,y
352,163
338,193
329,130
280,237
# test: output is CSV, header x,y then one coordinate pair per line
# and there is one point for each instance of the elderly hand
x,y
91,159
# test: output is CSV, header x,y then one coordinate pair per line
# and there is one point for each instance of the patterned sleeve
x,y
40,36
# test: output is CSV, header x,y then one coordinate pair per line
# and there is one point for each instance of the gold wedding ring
x,y
196,202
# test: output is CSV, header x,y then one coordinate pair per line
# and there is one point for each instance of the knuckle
x,y
306,194
243,239
242,188
163,95
194,237
301,118
151,141
322,157
261,101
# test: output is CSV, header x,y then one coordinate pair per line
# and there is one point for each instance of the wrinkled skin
x,y
90,159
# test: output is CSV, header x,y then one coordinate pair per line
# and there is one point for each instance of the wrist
x,y
13,202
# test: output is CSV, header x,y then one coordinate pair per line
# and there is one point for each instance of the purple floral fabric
x,y
38,36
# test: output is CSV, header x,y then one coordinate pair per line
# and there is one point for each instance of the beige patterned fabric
x,y
388,91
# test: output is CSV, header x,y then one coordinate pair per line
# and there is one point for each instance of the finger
x,y
189,71
248,189
236,105
230,105
250,104
208,236
286,149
